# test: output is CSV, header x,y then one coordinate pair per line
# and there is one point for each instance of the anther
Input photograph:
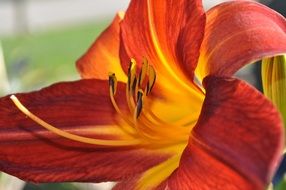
x,y
143,71
151,79
139,105
131,74
112,82
133,86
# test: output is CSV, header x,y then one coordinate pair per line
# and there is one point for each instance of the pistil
x,y
73,137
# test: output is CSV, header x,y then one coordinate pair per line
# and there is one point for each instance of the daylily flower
x,y
137,117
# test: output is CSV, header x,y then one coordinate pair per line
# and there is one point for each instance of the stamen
x,y
125,118
115,106
139,105
152,79
131,85
143,71
113,82
134,86
131,74
148,125
86,140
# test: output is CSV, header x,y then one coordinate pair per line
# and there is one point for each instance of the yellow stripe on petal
x,y
172,70
156,175
274,81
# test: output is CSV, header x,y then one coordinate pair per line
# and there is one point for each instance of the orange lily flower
x,y
137,117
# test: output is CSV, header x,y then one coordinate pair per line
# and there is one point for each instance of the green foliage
x,y
281,185
50,186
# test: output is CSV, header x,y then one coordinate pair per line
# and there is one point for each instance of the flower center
x,y
137,88
141,116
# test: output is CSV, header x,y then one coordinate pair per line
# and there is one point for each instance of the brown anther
x,y
139,105
112,82
143,71
151,79
133,86
131,74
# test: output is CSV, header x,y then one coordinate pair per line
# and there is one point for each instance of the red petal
x,y
238,33
155,30
190,41
236,143
103,56
32,153
129,184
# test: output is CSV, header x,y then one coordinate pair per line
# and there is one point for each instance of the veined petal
x,y
238,33
152,29
33,153
156,30
189,43
103,56
236,143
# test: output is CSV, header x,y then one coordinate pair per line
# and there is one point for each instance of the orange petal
x,y
32,153
155,30
236,144
103,56
238,33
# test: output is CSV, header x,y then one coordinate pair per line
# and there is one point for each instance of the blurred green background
x,y
35,60
41,40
